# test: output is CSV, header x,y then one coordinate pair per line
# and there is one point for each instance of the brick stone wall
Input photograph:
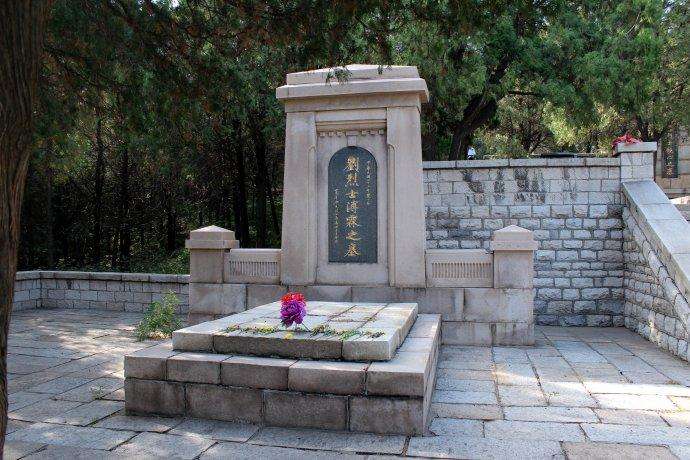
x,y
27,291
574,206
106,291
647,311
655,282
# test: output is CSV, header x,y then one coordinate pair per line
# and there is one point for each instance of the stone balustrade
x,y
657,255
252,266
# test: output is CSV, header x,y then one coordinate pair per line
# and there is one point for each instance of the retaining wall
x,y
657,243
574,206
105,291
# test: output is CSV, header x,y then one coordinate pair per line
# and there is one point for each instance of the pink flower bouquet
x,y
293,309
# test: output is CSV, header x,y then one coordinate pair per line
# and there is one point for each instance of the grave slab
x,y
332,330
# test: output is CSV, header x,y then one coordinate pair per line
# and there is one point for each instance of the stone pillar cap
x,y
513,238
211,237
636,147
359,79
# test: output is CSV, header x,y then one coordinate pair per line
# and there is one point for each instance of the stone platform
x,y
331,330
373,394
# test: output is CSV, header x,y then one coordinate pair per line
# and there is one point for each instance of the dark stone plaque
x,y
352,208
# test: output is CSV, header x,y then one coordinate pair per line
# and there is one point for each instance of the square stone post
x,y
207,247
513,249
637,160
299,200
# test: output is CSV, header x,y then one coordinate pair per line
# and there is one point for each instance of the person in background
x,y
471,153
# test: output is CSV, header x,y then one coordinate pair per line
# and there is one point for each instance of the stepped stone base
x,y
386,397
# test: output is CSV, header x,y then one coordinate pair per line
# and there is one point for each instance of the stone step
x,y
381,396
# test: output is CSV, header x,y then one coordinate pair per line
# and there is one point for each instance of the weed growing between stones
x,y
160,320
324,329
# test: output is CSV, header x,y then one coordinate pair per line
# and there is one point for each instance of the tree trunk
x,y
123,214
478,111
261,182
49,204
22,24
275,225
170,225
239,195
98,194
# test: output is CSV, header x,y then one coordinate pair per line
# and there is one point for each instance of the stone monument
x,y
353,209
353,242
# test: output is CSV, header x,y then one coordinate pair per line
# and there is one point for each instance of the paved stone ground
x,y
579,393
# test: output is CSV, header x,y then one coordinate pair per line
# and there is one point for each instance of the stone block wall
x,y
105,291
656,282
574,206
647,310
27,291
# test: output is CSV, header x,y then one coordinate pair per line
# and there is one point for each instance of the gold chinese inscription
x,y
352,174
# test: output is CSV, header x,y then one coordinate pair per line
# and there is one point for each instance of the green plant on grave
x,y
98,392
324,329
160,320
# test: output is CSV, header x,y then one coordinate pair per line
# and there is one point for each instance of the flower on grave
x,y
626,139
293,309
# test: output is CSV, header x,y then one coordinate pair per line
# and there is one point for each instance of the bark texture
x,y
22,25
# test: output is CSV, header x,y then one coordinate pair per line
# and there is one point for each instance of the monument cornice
x,y
398,86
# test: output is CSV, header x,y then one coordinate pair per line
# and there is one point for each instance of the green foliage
x,y
160,320
321,329
160,117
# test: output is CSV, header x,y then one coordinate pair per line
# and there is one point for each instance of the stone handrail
x,y
663,236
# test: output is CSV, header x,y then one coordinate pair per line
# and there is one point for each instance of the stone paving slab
x,y
17,449
682,452
328,440
368,332
21,399
87,413
164,446
43,410
214,429
551,414
126,422
629,417
467,411
638,434
65,435
225,450
464,447
547,431
53,452
562,375
604,451
454,427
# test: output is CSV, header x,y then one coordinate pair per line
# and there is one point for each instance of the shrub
x,y
160,320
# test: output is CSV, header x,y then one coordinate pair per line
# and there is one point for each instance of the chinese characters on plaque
x,y
669,155
352,207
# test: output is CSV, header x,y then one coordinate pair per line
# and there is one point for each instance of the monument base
x,y
480,316
386,397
